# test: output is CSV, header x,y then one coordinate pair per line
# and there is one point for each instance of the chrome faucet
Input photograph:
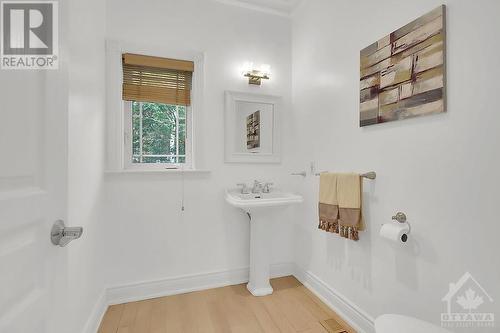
x,y
267,187
257,187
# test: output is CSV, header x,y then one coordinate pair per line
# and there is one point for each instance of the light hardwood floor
x,y
291,308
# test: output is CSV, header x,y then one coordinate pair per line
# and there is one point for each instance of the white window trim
x,y
116,118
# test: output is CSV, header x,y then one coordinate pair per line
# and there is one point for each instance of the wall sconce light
x,y
255,76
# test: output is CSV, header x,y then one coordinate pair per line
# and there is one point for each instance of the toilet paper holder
x,y
400,217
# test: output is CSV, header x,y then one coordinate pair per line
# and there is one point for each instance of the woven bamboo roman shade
x,y
154,79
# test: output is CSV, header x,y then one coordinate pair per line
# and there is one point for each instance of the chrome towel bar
x,y
368,175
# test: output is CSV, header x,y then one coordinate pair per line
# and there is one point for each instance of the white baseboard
x,y
173,286
347,310
187,283
92,324
356,317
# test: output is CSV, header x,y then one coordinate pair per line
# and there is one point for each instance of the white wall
x,y
152,238
86,116
439,169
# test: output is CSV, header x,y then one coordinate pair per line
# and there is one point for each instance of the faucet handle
x,y
267,187
244,188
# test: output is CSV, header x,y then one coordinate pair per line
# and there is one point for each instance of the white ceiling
x,y
279,7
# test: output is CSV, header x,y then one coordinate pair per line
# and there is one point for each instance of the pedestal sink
x,y
262,208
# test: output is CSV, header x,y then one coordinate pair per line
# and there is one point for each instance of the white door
x,y
33,145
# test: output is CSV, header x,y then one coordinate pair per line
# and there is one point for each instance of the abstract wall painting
x,y
403,75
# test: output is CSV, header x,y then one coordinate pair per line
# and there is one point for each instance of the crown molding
x,y
283,8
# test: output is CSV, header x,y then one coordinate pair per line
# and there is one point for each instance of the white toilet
x,y
393,323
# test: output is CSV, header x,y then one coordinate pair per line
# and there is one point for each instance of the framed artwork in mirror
x,y
252,128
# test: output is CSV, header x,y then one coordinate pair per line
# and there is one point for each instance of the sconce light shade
x,y
255,76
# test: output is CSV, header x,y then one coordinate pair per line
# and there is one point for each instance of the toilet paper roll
x,y
396,232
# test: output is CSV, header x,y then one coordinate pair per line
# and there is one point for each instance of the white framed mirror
x,y
252,128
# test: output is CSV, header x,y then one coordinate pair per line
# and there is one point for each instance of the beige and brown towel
x,y
328,204
340,204
349,191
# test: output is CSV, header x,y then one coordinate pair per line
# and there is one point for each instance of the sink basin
x,y
263,209
253,200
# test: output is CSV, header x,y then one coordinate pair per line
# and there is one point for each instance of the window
x,y
157,98
158,133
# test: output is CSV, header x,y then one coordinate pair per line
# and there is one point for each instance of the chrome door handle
x,y
61,235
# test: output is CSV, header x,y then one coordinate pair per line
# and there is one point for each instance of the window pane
x,y
182,130
136,136
182,112
158,129
159,133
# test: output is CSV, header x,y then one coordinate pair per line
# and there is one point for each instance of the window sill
x,y
159,171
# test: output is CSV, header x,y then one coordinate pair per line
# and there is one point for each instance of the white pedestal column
x,y
258,283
